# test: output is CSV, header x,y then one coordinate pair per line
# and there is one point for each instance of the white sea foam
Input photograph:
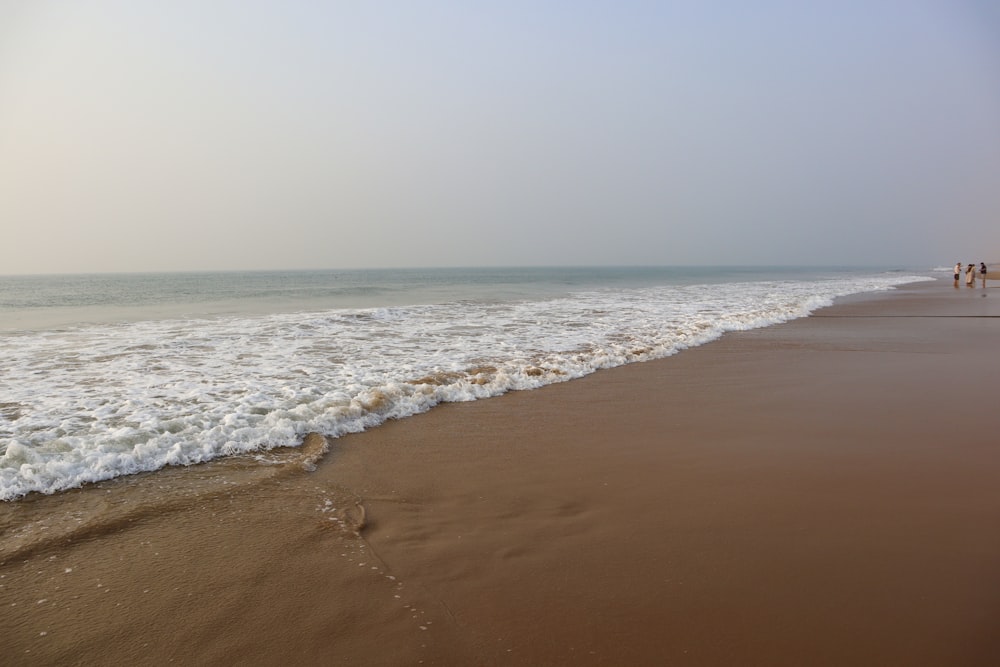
x,y
94,402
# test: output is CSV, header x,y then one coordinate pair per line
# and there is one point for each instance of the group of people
x,y
970,274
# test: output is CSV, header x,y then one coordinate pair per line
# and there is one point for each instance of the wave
x,y
91,403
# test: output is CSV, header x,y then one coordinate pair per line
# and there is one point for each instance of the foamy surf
x,y
88,403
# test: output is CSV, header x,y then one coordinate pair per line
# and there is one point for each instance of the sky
x,y
237,135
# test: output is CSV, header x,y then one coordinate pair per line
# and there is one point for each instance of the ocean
x,y
108,375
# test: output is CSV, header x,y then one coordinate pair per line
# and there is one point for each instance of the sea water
x,y
107,375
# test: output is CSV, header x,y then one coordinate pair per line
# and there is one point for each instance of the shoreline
x,y
815,492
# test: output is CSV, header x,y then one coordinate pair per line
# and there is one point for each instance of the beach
x,y
818,492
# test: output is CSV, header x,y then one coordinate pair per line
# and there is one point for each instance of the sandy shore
x,y
822,492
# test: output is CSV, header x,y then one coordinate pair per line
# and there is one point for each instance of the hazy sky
x,y
151,136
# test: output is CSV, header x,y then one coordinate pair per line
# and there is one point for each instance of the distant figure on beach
x,y
970,276
982,272
958,272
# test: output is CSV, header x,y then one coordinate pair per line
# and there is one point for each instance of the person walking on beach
x,y
970,276
958,272
982,273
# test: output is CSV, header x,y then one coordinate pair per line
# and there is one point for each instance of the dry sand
x,y
822,492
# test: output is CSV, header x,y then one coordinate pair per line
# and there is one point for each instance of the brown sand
x,y
819,493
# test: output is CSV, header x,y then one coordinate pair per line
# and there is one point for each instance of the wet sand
x,y
822,492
